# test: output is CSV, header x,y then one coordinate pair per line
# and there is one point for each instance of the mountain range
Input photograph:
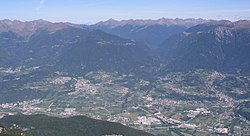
x,y
184,44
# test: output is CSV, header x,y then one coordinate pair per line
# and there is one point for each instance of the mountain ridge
x,y
28,28
217,45
162,21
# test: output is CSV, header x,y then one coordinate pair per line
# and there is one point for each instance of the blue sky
x,y
90,11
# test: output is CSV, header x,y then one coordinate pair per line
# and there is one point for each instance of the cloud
x,y
40,5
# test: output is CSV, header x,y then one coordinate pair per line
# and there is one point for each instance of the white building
x,y
143,120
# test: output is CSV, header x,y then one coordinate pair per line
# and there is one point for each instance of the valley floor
x,y
198,102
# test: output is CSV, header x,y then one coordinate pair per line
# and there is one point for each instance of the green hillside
x,y
42,125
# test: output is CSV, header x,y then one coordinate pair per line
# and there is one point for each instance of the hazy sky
x,y
90,11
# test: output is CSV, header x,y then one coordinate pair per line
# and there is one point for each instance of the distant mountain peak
x,y
41,20
112,20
